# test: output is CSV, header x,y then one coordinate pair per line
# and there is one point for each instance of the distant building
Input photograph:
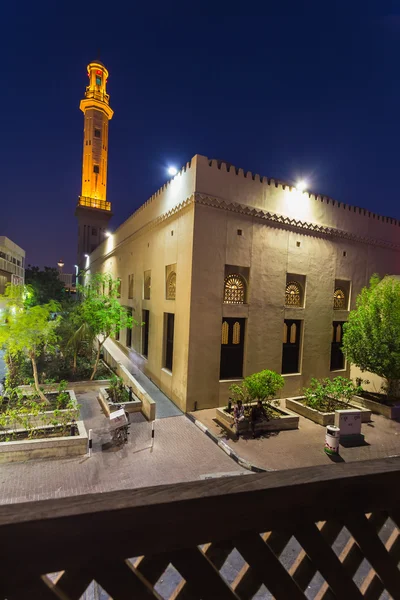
x,y
12,263
93,211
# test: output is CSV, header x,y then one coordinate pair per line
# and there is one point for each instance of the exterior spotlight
x,y
86,255
301,185
108,233
60,263
172,171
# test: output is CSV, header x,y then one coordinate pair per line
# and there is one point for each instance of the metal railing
x,y
296,531
94,203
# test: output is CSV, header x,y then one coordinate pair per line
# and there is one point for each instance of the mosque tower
x,y
93,211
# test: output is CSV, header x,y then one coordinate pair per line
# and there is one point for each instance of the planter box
x,y
286,421
390,412
56,447
43,419
108,406
322,418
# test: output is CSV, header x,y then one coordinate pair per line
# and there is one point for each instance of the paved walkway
x,y
165,407
181,453
304,447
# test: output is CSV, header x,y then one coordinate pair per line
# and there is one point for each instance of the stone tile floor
x,y
181,453
304,447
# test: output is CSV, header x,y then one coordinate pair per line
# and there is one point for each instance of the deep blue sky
x,y
284,96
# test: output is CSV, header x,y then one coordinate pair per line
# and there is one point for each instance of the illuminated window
x,y
293,295
339,299
98,80
96,169
234,289
236,333
171,286
147,287
97,132
225,333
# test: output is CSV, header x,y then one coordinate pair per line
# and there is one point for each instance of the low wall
x,y
148,404
56,447
45,416
107,405
288,420
321,418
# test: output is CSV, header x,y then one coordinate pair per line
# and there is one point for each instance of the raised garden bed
x,y
322,418
48,412
130,406
379,404
283,420
45,443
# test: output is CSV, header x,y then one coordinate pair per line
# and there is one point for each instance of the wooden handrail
x,y
79,533
163,518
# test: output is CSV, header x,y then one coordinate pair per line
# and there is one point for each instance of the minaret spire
x,y
93,210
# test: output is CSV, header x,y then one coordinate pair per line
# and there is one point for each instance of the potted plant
x,y
262,386
323,397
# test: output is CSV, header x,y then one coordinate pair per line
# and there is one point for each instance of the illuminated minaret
x,y
93,210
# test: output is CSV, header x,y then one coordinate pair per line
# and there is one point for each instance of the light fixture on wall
x,y
172,171
108,234
301,185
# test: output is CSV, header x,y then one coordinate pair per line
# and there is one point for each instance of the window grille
x,y
234,289
171,286
339,299
293,296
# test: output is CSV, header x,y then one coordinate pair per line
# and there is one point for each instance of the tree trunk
x,y
36,379
393,388
97,360
74,364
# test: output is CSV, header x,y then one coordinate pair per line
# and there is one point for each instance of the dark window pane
x,y
169,342
291,346
337,357
145,332
232,348
129,331
97,133
96,169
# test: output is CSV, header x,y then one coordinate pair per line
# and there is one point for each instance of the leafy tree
x,y
45,285
371,338
259,386
101,311
28,330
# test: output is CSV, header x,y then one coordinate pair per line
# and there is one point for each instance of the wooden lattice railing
x,y
326,532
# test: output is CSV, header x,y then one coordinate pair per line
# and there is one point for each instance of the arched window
x,y
293,294
147,288
339,299
171,286
234,289
236,333
225,333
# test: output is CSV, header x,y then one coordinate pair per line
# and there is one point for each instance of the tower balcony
x,y
94,203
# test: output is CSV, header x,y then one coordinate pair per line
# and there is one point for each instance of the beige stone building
x,y
233,273
12,263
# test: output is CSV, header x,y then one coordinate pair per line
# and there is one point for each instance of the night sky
x,y
306,96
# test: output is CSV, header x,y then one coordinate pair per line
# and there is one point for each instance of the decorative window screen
x,y
171,286
293,294
234,289
339,299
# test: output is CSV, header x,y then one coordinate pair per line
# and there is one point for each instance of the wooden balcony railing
x,y
317,526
